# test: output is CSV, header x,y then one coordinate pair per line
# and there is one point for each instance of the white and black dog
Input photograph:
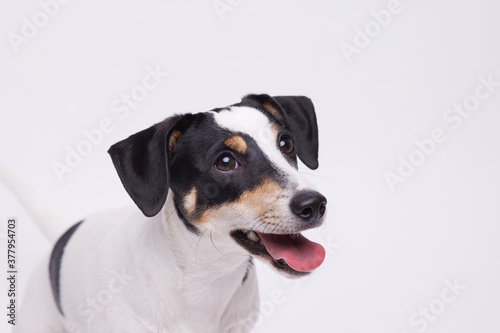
x,y
214,189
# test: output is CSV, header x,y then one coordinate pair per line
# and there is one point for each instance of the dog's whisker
x,y
266,225
173,211
198,245
212,240
257,221
169,211
318,176
231,186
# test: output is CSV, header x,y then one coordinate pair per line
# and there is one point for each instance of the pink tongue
x,y
298,252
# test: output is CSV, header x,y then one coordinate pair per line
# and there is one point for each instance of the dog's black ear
x,y
141,161
301,119
296,113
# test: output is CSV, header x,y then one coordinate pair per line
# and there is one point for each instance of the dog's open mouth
x,y
292,253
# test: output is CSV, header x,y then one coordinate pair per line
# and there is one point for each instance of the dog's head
x,y
234,170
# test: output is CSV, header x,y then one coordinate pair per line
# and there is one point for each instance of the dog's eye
x,y
226,162
286,145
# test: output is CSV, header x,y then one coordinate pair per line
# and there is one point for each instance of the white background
x,y
390,253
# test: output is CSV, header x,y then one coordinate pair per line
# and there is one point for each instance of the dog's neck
x,y
208,271
202,253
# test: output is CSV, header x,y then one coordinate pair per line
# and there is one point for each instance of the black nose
x,y
310,206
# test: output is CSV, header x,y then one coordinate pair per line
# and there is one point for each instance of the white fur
x,y
254,123
123,272
50,223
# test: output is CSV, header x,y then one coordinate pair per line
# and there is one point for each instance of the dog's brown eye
x,y
226,162
286,145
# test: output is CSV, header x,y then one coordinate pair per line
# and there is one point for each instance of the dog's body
x,y
215,190
123,272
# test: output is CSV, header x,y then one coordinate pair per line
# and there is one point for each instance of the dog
x,y
213,191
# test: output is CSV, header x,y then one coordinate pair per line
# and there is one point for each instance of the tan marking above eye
x,y
190,201
237,143
275,130
273,111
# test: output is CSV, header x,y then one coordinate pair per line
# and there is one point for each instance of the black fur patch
x,y
141,162
299,117
55,263
192,165
249,268
189,226
149,163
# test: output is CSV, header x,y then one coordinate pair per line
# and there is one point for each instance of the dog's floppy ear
x,y
141,161
301,119
297,113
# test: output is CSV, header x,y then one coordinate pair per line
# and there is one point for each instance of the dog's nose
x,y
310,206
